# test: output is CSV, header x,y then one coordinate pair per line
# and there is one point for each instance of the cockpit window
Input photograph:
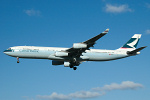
x,y
9,49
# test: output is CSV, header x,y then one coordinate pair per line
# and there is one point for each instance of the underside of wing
x,y
94,39
79,48
74,54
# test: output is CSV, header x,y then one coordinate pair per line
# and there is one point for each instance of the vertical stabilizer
x,y
132,43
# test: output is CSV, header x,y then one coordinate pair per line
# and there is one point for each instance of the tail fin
x,y
132,43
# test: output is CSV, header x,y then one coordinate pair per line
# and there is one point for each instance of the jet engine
x,y
54,62
61,54
67,64
79,45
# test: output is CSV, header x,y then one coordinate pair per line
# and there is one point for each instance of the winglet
x,y
106,31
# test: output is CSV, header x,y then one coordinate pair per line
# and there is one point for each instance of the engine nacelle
x,y
79,45
54,62
61,54
67,64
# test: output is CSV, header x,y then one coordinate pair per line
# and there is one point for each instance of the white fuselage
x,y
35,52
78,53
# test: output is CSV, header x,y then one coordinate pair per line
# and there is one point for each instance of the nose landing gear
x,y
74,68
17,59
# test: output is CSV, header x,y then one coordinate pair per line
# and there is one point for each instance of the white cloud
x,y
93,93
147,31
32,12
85,94
79,95
54,96
123,86
117,8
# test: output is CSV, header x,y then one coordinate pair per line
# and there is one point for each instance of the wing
x,y
79,48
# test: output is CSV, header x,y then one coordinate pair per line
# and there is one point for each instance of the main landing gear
x,y
17,59
74,68
74,63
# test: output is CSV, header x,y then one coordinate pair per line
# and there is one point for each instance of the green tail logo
x,y
133,42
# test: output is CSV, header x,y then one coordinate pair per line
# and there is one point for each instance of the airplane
x,y
78,53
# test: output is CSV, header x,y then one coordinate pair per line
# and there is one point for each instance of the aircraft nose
x,y
7,51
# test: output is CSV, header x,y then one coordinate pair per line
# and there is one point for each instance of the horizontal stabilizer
x,y
136,50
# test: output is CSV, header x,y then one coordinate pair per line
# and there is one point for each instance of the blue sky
x,y
60,23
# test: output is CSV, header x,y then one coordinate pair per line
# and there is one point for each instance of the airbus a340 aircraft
x,y
80,52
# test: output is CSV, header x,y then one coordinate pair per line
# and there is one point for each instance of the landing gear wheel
x,y
71,66
17,59
74,68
